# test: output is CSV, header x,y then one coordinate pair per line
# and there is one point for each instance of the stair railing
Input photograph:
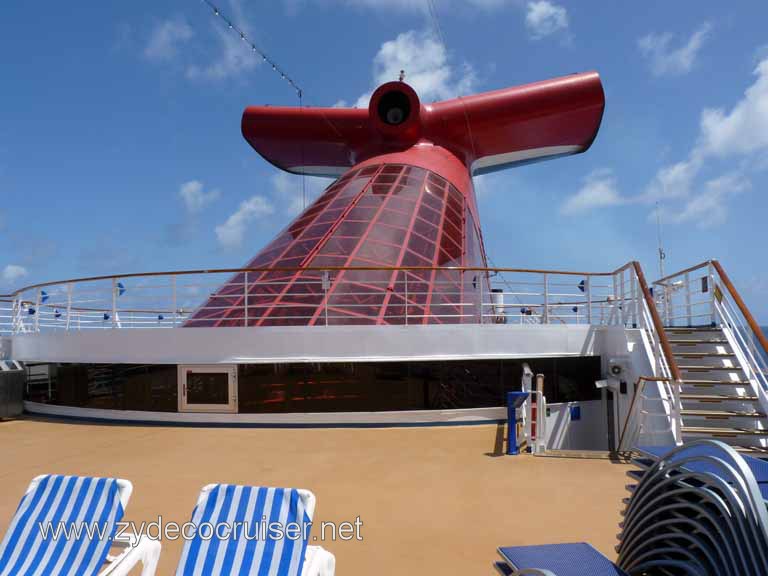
x,y
703,295
669,397
748,339
666,373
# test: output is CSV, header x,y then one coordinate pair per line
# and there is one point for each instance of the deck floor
x,y
432,500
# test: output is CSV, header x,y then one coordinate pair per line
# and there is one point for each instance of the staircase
x,y
717,399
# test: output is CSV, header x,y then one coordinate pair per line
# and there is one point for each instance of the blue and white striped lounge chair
x,y
578,559
250,549
71,502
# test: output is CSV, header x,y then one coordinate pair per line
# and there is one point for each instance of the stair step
x,y
717,398
755,451
704,355
709,368
722,414
691,329
693,341
723,432
710,383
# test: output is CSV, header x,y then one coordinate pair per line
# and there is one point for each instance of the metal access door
x,y
208,388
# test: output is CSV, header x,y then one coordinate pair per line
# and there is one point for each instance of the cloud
x,y
426,64
599,190
230,234
710,208
741,134
234,55
165,39
195,197
544,18
289,191
668,61
12,273
410,5
744,129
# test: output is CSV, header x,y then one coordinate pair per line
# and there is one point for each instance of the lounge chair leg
x,y
318,562
145,551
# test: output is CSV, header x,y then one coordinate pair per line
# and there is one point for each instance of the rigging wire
x,y
276,68
436,23
255,49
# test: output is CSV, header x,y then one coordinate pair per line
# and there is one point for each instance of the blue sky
x,y
120,147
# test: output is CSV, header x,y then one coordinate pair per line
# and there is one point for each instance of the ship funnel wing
x,y
487,132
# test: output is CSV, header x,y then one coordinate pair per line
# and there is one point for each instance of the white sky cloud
x,y
165,39
288,191
231,233
13,272
709,208
412,5
544,18
599,190
740,133
234,56
426,65
665,60
195,197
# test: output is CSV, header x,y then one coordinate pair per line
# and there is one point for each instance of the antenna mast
x,y
662,254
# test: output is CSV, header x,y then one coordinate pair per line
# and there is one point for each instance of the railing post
x,y
37,310
114,302
245,299
688,307
712,284
15,315
546,298
326,285
70,287
623,299
588,282
174,301
634,295
405,276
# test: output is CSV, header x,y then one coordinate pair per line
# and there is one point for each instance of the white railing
x,y
662,404
251,297
703,295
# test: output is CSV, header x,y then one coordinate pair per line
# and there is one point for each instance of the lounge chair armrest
x,y
143,550
318,562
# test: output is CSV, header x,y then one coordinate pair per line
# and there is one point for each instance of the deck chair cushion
x,y
575,559
62,503
251,549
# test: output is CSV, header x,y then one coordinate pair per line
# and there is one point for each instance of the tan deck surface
x,y
432,500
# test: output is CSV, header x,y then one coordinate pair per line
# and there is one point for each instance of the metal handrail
x,y
639,385
306,269
541,296
751,322
658,325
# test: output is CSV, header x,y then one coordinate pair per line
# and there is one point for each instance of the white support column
x,y
37,310
70,287
588,286
688,306
546,299
114,303
711,286
174,301
245,299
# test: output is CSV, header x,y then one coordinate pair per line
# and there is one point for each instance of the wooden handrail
x,y
666,348
742,306
638,385
681,272
310,269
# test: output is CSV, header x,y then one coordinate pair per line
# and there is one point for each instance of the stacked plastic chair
x,y
696,510
699,509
